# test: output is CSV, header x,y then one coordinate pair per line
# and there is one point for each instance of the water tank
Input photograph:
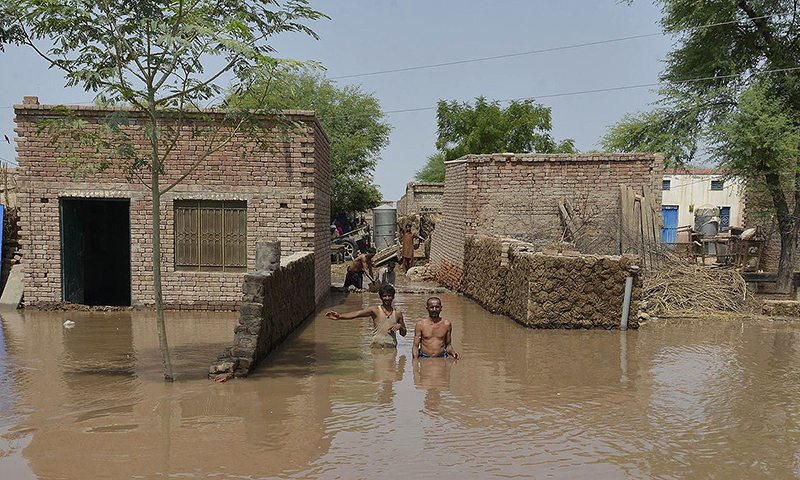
x,y
384,226
706,220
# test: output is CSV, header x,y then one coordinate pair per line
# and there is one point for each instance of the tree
x,y
657,131
153,56
352,119
736,69
522,127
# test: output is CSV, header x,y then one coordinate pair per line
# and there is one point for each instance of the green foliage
x,y
672,133
433,171
759,136
486,127
353,120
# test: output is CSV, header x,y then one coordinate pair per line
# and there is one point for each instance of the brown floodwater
x,y
676,399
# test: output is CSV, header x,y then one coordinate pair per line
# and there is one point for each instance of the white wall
x,y
695,189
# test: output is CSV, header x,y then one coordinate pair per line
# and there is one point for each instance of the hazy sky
x,y
365,36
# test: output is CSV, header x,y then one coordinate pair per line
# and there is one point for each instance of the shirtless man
x,y
385,319
433,335
360,265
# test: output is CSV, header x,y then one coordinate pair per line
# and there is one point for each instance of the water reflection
x,y
681,399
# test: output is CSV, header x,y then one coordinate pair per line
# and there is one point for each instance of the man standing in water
x,y
433,335
360,265
386,319
407,249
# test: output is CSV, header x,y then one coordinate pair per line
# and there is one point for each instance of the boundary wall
x,y
548,291
274,304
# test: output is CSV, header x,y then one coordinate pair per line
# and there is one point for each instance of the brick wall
x,y
286,188
517,195
321,215
421,197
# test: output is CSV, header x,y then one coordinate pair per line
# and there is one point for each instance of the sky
x,y
367,36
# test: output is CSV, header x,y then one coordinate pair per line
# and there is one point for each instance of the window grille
x,y
665,185
210,235
717,184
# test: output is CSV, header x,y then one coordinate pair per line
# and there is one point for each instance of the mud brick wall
x,y
421,197
548,291
286,187
274,304
516,195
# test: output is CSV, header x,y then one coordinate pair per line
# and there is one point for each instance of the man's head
x,y
386,292
434,307
408,227
390,266
371,252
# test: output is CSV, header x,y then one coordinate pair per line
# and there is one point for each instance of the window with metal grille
x,y
717,184
210,235
665,184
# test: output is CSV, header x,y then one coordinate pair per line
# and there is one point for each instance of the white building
x,y
683,191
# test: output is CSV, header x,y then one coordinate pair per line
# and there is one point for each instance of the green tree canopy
x,y
353,120
658,131
733,82
486,127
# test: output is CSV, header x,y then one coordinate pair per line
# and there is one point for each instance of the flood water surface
x,y
678,399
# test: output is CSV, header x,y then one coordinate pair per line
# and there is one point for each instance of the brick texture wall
x,y
286,187
517,195
421,197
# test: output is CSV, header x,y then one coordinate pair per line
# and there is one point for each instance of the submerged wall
x,y
548,291
274,304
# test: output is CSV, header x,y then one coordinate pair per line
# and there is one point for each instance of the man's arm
x,y
417,338
366,267
368,312
400,325
448,341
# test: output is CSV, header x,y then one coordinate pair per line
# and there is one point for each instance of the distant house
x,y
421,197
683,191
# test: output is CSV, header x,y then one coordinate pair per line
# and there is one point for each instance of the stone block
x,y
268,256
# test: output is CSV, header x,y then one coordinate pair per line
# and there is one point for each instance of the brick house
x,y
517,195
88,239
421,197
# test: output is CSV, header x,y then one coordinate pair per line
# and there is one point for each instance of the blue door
x,y
724,218
670,228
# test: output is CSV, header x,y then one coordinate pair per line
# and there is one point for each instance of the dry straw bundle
x,y
686,290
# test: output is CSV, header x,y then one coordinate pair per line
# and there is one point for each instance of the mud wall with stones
x,y
517,195
274,304
548,291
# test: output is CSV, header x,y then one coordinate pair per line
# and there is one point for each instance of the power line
x,y
604,90
535,52
518,54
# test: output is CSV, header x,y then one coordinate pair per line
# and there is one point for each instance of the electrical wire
x,y
535,52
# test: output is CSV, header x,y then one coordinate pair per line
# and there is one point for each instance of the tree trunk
x,y
786,262
156,213
162,329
